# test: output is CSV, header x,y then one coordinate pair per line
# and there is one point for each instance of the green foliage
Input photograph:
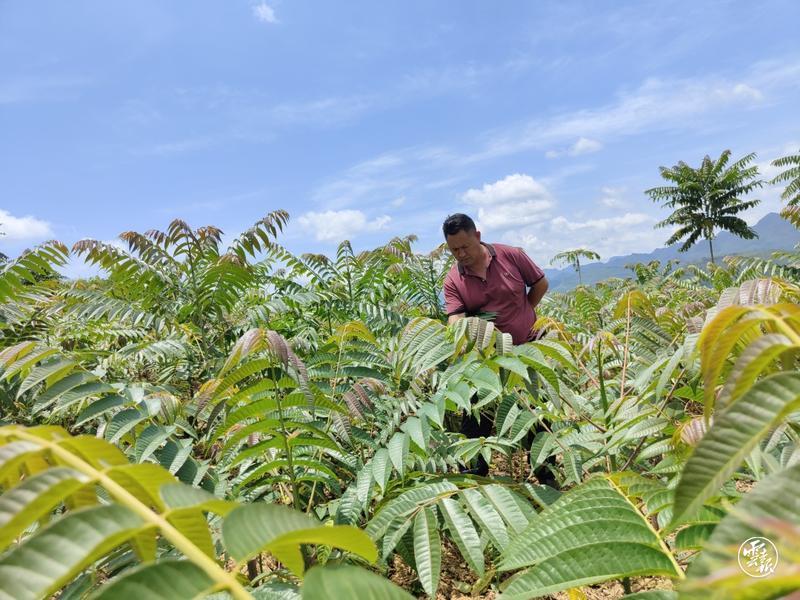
x,y
110,505
707,198
592,534
182,404
573,258
32,267
790,174
771,510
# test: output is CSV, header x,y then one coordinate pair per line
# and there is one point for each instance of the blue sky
x,y
366,120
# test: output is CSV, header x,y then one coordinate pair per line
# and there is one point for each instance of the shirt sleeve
x,y
530,271
453,304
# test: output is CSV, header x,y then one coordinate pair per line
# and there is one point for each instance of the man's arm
x,y
532,275
537,292
453,303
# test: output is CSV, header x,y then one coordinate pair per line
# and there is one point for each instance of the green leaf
x,y
81,392
752,361
505,504
71,381
693,537
165,580
150,439
381,468
143,481
123,422
573,464
95,409
280,530
53,367
12,454
540,448
772,510
543,495
413,427
464,534
733,435
274,591
327,583
398,450
513,364
406,503
179,495
70,544
34,498
587,566
591,534
174,454
394,536
487,517
193,525
663,380
364,481
427,550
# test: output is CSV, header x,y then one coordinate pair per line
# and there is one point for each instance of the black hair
x,y
457,222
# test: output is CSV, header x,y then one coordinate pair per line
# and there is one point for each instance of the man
x,y
492,278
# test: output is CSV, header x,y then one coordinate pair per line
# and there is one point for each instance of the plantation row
x,y
242,422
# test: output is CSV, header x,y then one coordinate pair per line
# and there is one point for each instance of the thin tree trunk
x,y
578,264
711,248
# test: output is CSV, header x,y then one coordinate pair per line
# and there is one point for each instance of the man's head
x,y
463,239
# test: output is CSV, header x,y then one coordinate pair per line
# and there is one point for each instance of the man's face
x,y
466,247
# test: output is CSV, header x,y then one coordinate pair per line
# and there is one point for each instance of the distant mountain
x,y
774,233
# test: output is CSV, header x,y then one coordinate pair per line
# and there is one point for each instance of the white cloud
x,y
265,13
338,225
325,111
510,202
604,224
399,201
582,146
530,241
609,236
585,146
612,197
743,90
23,228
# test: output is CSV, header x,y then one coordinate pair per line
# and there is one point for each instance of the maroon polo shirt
x,y
504,291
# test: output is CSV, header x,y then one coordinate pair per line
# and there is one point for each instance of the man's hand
x,y
453,318
537,292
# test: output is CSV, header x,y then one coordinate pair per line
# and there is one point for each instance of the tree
x,y
792,174
573,258
707,199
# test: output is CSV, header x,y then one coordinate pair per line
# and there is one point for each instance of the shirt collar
x,y
492,253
